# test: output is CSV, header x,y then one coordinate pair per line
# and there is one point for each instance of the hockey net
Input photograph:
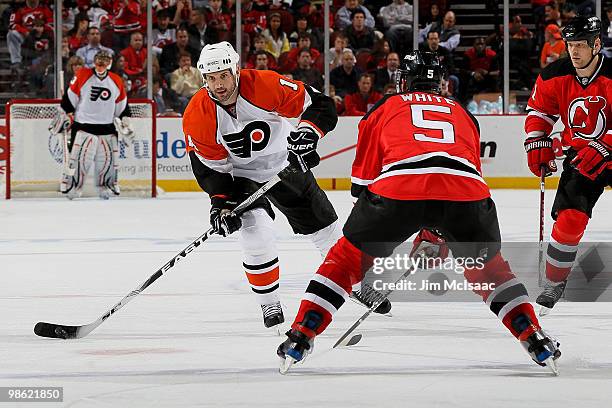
x,y
34,163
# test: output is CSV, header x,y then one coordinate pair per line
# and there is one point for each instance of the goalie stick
x,y
60,331
346,339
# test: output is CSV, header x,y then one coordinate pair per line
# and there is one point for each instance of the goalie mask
x,y
216,58
420,71
103,61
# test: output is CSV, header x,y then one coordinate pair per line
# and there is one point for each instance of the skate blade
x,y
286,364
544,311
551,363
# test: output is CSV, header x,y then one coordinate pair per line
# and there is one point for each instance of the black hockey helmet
x,y
582,28
420,71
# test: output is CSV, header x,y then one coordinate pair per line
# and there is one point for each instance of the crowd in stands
x,y
368,37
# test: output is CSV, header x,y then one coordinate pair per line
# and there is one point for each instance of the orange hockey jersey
x,y
253,143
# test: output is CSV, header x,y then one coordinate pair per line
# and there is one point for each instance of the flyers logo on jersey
x,y
99,92
253,138
586,117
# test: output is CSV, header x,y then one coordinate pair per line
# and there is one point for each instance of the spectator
x,y
200,33
292,56
445,58
360,102
277,41
388,74
434,15
568,12
359,35
305,72
21,23
301,26
170,53
219,18
551,14
89,51
344,15
449,34
136,60
119,69
335,54
253,21
378,56
186,80
163,34
77,37
390,89
126,18
397,21
344,77
482,68
183,11
72,66
337,100
554,47
260,45
165,99
97,15
606,38
261,60
37,49
521,50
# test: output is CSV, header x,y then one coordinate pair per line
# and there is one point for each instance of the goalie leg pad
x,y
260,258
106,167
81,157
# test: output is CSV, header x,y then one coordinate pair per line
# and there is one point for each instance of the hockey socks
x,y
566,235
509,299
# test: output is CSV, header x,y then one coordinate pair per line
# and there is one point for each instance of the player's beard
x,y
227,95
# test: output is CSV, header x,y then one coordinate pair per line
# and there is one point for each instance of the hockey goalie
x,y
97,99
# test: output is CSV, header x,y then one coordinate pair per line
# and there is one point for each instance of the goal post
x,y
34,162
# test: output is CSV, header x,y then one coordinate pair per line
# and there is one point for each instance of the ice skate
x,y
367,296
553,291
541,347
273,315
298,344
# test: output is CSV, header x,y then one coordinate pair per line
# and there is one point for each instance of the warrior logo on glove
x,y
253,138
586,117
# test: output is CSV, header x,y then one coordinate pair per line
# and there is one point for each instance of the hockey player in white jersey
x,y
98,100
238,137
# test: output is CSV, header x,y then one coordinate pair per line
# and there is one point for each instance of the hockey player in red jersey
x,y
97,98
417,166
238,137
577,90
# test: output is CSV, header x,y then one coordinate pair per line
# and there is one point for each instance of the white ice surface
x,y
195,337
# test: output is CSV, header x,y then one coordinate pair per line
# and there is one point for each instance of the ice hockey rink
x,y
196,338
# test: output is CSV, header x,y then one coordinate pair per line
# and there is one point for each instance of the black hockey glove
x,y
302,146
222,220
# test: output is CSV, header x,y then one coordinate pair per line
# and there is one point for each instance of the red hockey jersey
x,y
420,146
22,20
583,104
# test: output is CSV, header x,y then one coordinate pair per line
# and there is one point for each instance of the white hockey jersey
x,y
96,101
253,144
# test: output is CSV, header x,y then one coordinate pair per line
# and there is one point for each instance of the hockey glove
x,y
223,221
302,146
429,244
60,123
125,130
540,154
593,159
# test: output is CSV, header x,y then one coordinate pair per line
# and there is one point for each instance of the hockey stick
x,y
541,271
345,340
60,331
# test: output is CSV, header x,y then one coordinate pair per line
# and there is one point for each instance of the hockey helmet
x,y
419,71
582,28
218,57
104,55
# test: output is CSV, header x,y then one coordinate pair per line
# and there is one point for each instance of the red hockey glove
x,y
593,159
429,244
540,153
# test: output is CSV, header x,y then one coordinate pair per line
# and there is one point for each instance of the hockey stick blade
x,y
58,331
349,341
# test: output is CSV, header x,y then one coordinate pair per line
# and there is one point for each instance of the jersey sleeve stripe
x,y
551,119
361,182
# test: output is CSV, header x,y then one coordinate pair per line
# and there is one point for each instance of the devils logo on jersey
x,y
99,92
586,117
253,138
